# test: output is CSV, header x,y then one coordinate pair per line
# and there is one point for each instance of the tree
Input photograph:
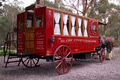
x,y
77,4
108,12
4,27
8,18
57,4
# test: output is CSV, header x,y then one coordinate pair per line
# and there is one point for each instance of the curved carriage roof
x,y
33,6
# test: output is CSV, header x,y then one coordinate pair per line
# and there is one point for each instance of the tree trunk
x,y
57,1
86,5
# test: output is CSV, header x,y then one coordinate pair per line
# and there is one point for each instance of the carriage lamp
x,y
52,39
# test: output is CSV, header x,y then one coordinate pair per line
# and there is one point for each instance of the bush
x,y
117,43
1,52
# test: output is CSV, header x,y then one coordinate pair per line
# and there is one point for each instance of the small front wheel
x,y
30,61
63,59
102,55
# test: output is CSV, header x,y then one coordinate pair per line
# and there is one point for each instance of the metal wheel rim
x,y
63,62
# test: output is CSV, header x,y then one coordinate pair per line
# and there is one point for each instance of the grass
x,y
1,52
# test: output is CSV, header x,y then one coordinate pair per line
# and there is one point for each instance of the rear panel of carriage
x,y
56,35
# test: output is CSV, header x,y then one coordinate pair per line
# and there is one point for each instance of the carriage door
x,y
29,32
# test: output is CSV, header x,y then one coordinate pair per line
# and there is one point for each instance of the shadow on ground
x,y
45,68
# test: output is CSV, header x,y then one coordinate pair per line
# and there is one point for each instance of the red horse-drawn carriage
x,y
56,35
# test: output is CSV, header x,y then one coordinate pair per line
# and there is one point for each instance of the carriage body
x,y
42,30
55,35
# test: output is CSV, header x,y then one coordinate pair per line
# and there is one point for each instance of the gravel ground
x,y
81,70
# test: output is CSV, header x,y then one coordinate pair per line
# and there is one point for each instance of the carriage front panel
x,y
40,33
20,33
93,29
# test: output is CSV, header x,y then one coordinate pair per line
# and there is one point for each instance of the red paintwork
x,y
21,42
20,34
44,46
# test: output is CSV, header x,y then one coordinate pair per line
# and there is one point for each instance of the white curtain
x,y
38,23
57,25
65,30
29,23
73,33
79,27
85,27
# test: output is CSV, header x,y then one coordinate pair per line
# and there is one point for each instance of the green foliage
x,y
11,51
8,16
59,5
110,13
103,6
4,27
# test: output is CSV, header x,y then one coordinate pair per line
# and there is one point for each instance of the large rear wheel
x,y
63,59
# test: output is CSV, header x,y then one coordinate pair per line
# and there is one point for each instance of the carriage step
x,y
14,57
8,61
13,54
12,61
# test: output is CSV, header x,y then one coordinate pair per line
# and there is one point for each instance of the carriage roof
x,y
34,6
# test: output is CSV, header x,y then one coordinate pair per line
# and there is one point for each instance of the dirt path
x,y
81,70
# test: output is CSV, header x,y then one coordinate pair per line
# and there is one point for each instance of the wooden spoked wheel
x,y
30,62
63,59
102,55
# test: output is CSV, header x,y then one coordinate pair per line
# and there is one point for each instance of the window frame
x,y
60,23
83,25
93,32
32,21
42,21
20,25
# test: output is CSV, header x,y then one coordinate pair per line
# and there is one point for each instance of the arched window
x,y
79,27
73,29
57,29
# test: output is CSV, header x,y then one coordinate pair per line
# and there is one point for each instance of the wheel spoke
x,y
25,59
34,62
102,55
28,62
57,61
63,67
68,54
62,59
58,65
66,66
68,63
59,52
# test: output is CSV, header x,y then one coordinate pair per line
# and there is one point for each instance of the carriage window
x,y
94,29
79,27
73,29
30,18
66,24
85,28
39,22
57,29
21,25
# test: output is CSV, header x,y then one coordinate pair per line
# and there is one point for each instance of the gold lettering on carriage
x,y
77,40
